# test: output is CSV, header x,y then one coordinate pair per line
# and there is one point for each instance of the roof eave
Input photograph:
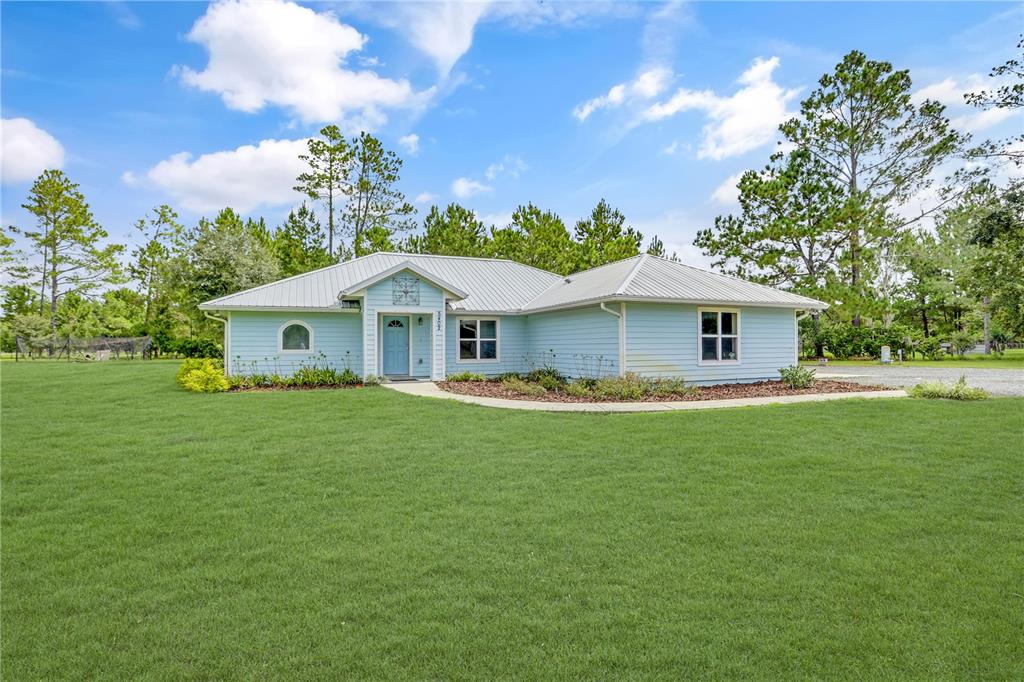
x,y
793,305
404,265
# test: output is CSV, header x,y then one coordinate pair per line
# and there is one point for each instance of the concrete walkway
x,y
429,389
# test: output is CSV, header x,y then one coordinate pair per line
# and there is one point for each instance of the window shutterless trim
x,y
280,338
718,336
477,339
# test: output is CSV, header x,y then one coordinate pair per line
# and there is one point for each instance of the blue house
x,y
402,316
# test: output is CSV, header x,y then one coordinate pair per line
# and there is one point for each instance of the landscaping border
x,y
428,389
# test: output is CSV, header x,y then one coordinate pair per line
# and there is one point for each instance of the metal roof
x,y
646,277
503,286
487,284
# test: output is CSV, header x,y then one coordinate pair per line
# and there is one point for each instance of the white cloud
x,y
649,83
444,30
950,93
280,53
410,143
728,193
425,198
245,178
464,188
441,30
26,150
509,165
672,148
129,178
739,122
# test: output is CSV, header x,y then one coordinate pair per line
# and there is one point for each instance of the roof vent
x,y
568,280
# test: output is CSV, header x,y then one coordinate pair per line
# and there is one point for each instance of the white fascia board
x,y
412,267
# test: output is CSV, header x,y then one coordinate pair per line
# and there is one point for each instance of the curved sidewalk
x,y
429,389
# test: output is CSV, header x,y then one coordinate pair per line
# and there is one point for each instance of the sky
x,y
655,107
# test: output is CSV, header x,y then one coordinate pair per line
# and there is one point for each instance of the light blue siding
x,y
420,345
379,299
512,346
578,342
661,340
254,342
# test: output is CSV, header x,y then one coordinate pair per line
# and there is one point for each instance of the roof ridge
x,y
632,273
480,258
602,265
731,277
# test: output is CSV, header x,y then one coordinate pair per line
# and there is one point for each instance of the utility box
x,y
886,355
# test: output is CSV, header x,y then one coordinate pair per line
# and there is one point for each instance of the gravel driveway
x,y
1007,382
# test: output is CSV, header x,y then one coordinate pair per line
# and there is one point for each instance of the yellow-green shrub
x,y
202,375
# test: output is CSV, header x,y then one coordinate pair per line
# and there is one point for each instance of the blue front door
x,y
396,345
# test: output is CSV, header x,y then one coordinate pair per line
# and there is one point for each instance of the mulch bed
x,y
760,389
266,389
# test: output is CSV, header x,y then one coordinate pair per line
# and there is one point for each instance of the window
x,y
719,335
478,339
295,337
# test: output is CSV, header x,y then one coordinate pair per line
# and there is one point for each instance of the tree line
x,y
828,216
66,279
834,214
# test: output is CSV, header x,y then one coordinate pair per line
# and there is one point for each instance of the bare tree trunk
x,y
819,347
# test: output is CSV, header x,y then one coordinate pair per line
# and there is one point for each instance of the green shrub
x,y
313,376
957,391
628,387
202,375
523,387
961,342
540,373
195,348
507,375
580,389
466,376
371,380
670,387
550,382
796,376
843,340
930,348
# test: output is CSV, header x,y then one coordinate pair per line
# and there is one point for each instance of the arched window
x,y
295,337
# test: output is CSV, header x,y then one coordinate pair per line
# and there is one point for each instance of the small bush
x,y
466,376
580,389
371,380
796,376
507,375
931,348
523,387
195,348
550,383
957,391
202,375
628,387
961,342
542,372
670,387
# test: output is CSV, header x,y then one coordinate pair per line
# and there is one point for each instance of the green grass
x,y
365,534
1011,359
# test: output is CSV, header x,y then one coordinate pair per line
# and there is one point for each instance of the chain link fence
x,y
74,348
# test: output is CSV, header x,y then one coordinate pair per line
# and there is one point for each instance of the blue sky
x,y
651,106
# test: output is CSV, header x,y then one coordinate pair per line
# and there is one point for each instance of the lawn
x,y
1010,359
370,535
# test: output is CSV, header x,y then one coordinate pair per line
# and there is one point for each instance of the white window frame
x,y
295,351
718,336
478,320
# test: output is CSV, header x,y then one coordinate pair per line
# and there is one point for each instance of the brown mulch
x,y
760,389
267,389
